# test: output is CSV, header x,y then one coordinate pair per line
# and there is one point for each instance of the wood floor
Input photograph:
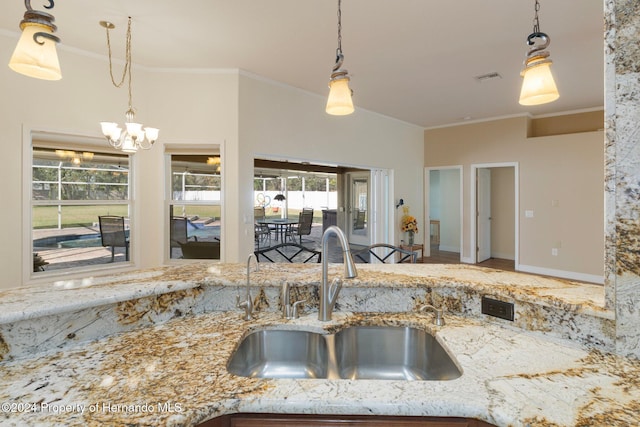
x,y
444,257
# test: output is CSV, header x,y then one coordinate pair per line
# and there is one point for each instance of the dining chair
x,y
288,252
385,253
113,234
302,228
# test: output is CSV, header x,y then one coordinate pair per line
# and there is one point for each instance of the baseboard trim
x,y
571,275
449,248
510,257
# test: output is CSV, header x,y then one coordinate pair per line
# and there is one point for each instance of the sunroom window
x,y
71,189
195,206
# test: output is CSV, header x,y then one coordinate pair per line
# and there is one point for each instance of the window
x,y
70,190
195,209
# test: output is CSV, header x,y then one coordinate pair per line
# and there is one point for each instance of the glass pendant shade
x,y
538,86
152,133
339,102
33,59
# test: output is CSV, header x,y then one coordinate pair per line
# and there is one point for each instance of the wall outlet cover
x,y
496,308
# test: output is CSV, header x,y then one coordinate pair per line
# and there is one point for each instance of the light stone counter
x,y
174,375
161,337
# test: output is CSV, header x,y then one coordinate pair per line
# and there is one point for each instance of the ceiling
x,y
414,60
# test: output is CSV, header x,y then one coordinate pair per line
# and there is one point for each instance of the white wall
x,y
286,123
190,109
247,116
560,179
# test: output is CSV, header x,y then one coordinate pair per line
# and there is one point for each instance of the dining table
x,y
279,224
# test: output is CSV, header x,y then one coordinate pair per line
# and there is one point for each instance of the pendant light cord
x,y
127,66
339,50
536,21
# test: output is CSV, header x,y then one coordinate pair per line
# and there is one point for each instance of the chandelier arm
x,y
144,144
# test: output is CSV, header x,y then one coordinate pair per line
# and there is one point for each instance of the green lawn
x,y
73,216
83,216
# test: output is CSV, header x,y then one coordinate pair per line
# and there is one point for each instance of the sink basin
x,y
276,353
392,353
357,352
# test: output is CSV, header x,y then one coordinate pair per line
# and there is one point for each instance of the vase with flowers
x,y
408,224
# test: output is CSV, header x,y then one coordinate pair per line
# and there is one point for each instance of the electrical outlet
x,y
500,309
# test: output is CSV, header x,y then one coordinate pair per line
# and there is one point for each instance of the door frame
x,y
427,216
473,203
349,214
483,207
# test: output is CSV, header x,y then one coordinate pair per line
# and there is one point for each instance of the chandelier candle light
x,y
35,54
538,86
133,137
339,102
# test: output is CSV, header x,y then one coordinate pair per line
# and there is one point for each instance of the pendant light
x,y
538,86
133,137
339,102
35,54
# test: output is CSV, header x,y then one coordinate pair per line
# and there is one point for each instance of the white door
x,y
483,218
358,213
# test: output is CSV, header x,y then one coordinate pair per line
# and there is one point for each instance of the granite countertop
x,y
174,374
65,295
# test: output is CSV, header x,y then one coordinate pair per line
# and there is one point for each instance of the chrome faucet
x,y
329,294
289,311
247,304
439,320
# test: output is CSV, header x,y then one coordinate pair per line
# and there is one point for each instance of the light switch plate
x,y
528,214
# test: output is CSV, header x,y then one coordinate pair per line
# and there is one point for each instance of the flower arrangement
x,y
408,222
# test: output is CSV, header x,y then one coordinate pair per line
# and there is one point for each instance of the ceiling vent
x,y
489,76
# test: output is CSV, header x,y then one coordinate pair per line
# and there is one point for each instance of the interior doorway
x,y
357,209
443,209
494,223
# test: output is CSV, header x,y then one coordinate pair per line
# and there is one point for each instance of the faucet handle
x,y
294,308
439,320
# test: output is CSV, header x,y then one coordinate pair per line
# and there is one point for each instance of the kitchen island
x,y
166,363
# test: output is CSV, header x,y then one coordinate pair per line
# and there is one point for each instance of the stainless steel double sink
x,y
356,352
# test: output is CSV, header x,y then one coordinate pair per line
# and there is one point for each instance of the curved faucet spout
x,y
329,294
247,304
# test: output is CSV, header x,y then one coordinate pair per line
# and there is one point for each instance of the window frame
x,y
186,150
51,139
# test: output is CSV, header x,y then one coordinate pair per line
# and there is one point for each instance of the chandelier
x,y
35,54
133,137
538,86
339,102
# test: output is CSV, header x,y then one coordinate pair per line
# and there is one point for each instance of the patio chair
x,y
262,234
262,231
113,234
385,253
288,252
178,232
359,224
302,228
200,250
